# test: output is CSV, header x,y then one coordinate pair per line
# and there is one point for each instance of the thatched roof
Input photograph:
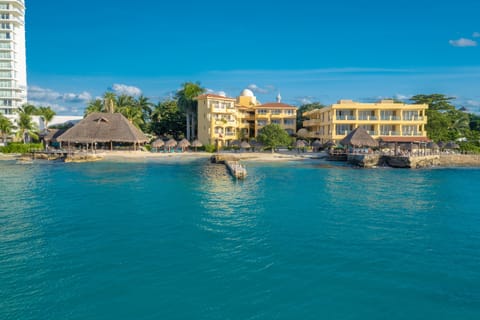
x,y
359,137
197,143
245,145
158,143
103,127
53,134
171,143
300,144
432,145
184,143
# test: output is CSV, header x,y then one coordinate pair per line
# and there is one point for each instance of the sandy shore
x,y
185,156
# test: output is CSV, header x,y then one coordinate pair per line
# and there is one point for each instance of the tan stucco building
x,y
386,119
222,119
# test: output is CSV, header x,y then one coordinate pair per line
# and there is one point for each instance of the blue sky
x,y
307,51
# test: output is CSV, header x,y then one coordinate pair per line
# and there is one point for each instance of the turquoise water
x,y
293,241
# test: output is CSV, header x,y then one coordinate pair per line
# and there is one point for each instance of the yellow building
x,y
388,120
222,119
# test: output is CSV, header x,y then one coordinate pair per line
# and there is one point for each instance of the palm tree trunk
x,y
188,124
194,135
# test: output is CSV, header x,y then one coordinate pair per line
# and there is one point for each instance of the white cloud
x,y
260,90
463,42
402,97
62,103
476,35
126,89
304,100
218,93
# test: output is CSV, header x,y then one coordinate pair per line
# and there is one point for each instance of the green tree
x,y
273,135
440,115
144,104
305,108
168,119
94,106
47,114
6,127
26,128
187,103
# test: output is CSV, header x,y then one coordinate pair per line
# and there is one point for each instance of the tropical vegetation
x,y
273,136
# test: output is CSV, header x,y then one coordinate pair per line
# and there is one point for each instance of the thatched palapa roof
x,y
103,127
359,137
53,134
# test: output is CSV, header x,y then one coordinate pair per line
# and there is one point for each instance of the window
x,y
289,122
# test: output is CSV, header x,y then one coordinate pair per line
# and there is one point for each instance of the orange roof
x,y
404,139
209,95
275,105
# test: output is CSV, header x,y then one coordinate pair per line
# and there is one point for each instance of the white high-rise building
x,y
13,65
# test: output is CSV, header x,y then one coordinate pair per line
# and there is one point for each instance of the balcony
x,y
344,118
390,118
312,122
367,118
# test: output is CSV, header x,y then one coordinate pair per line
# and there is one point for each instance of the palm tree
x,y
187,103
26,128
5,127
47,114
145,105
94,106
109,102
133,114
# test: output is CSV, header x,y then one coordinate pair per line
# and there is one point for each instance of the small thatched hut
x,y
103,130
359,137
196,144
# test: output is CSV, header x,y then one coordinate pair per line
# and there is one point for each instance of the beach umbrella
x,y
256,144
245,145
171,144
158,143
441,144
196,144
452,145
316,143
235,143
432,145
300,144
184,143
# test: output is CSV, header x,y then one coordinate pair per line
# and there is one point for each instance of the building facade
x,y
387,119
221,120
13,66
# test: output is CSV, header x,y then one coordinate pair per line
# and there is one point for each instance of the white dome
x,y
247,93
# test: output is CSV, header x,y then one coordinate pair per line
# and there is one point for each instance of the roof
x,y
404,139
216,96
53,134
359,137
275,105
103,127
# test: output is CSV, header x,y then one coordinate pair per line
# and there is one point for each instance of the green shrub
x,y
209,148
17,147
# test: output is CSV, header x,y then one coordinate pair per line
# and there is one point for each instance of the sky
x,y
308,51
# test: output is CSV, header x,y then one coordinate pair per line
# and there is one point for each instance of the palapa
x,y
245,145
359,137
197,144
300,144
103,128
184,143
158,143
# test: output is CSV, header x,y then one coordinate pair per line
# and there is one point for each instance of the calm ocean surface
x,y
294,241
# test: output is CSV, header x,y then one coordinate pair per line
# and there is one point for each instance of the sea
x,y
182,239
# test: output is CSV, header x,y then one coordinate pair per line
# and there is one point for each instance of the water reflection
x,y
232,215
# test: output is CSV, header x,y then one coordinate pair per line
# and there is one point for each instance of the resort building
x,y
222,120
387,119
13,66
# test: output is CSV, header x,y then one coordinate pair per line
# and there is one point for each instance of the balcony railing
x,y
345,118
367,118
390,118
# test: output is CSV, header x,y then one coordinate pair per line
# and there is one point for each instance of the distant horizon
x,y
307,52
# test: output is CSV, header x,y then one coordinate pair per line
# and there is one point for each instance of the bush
x,y
17,147
209,148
